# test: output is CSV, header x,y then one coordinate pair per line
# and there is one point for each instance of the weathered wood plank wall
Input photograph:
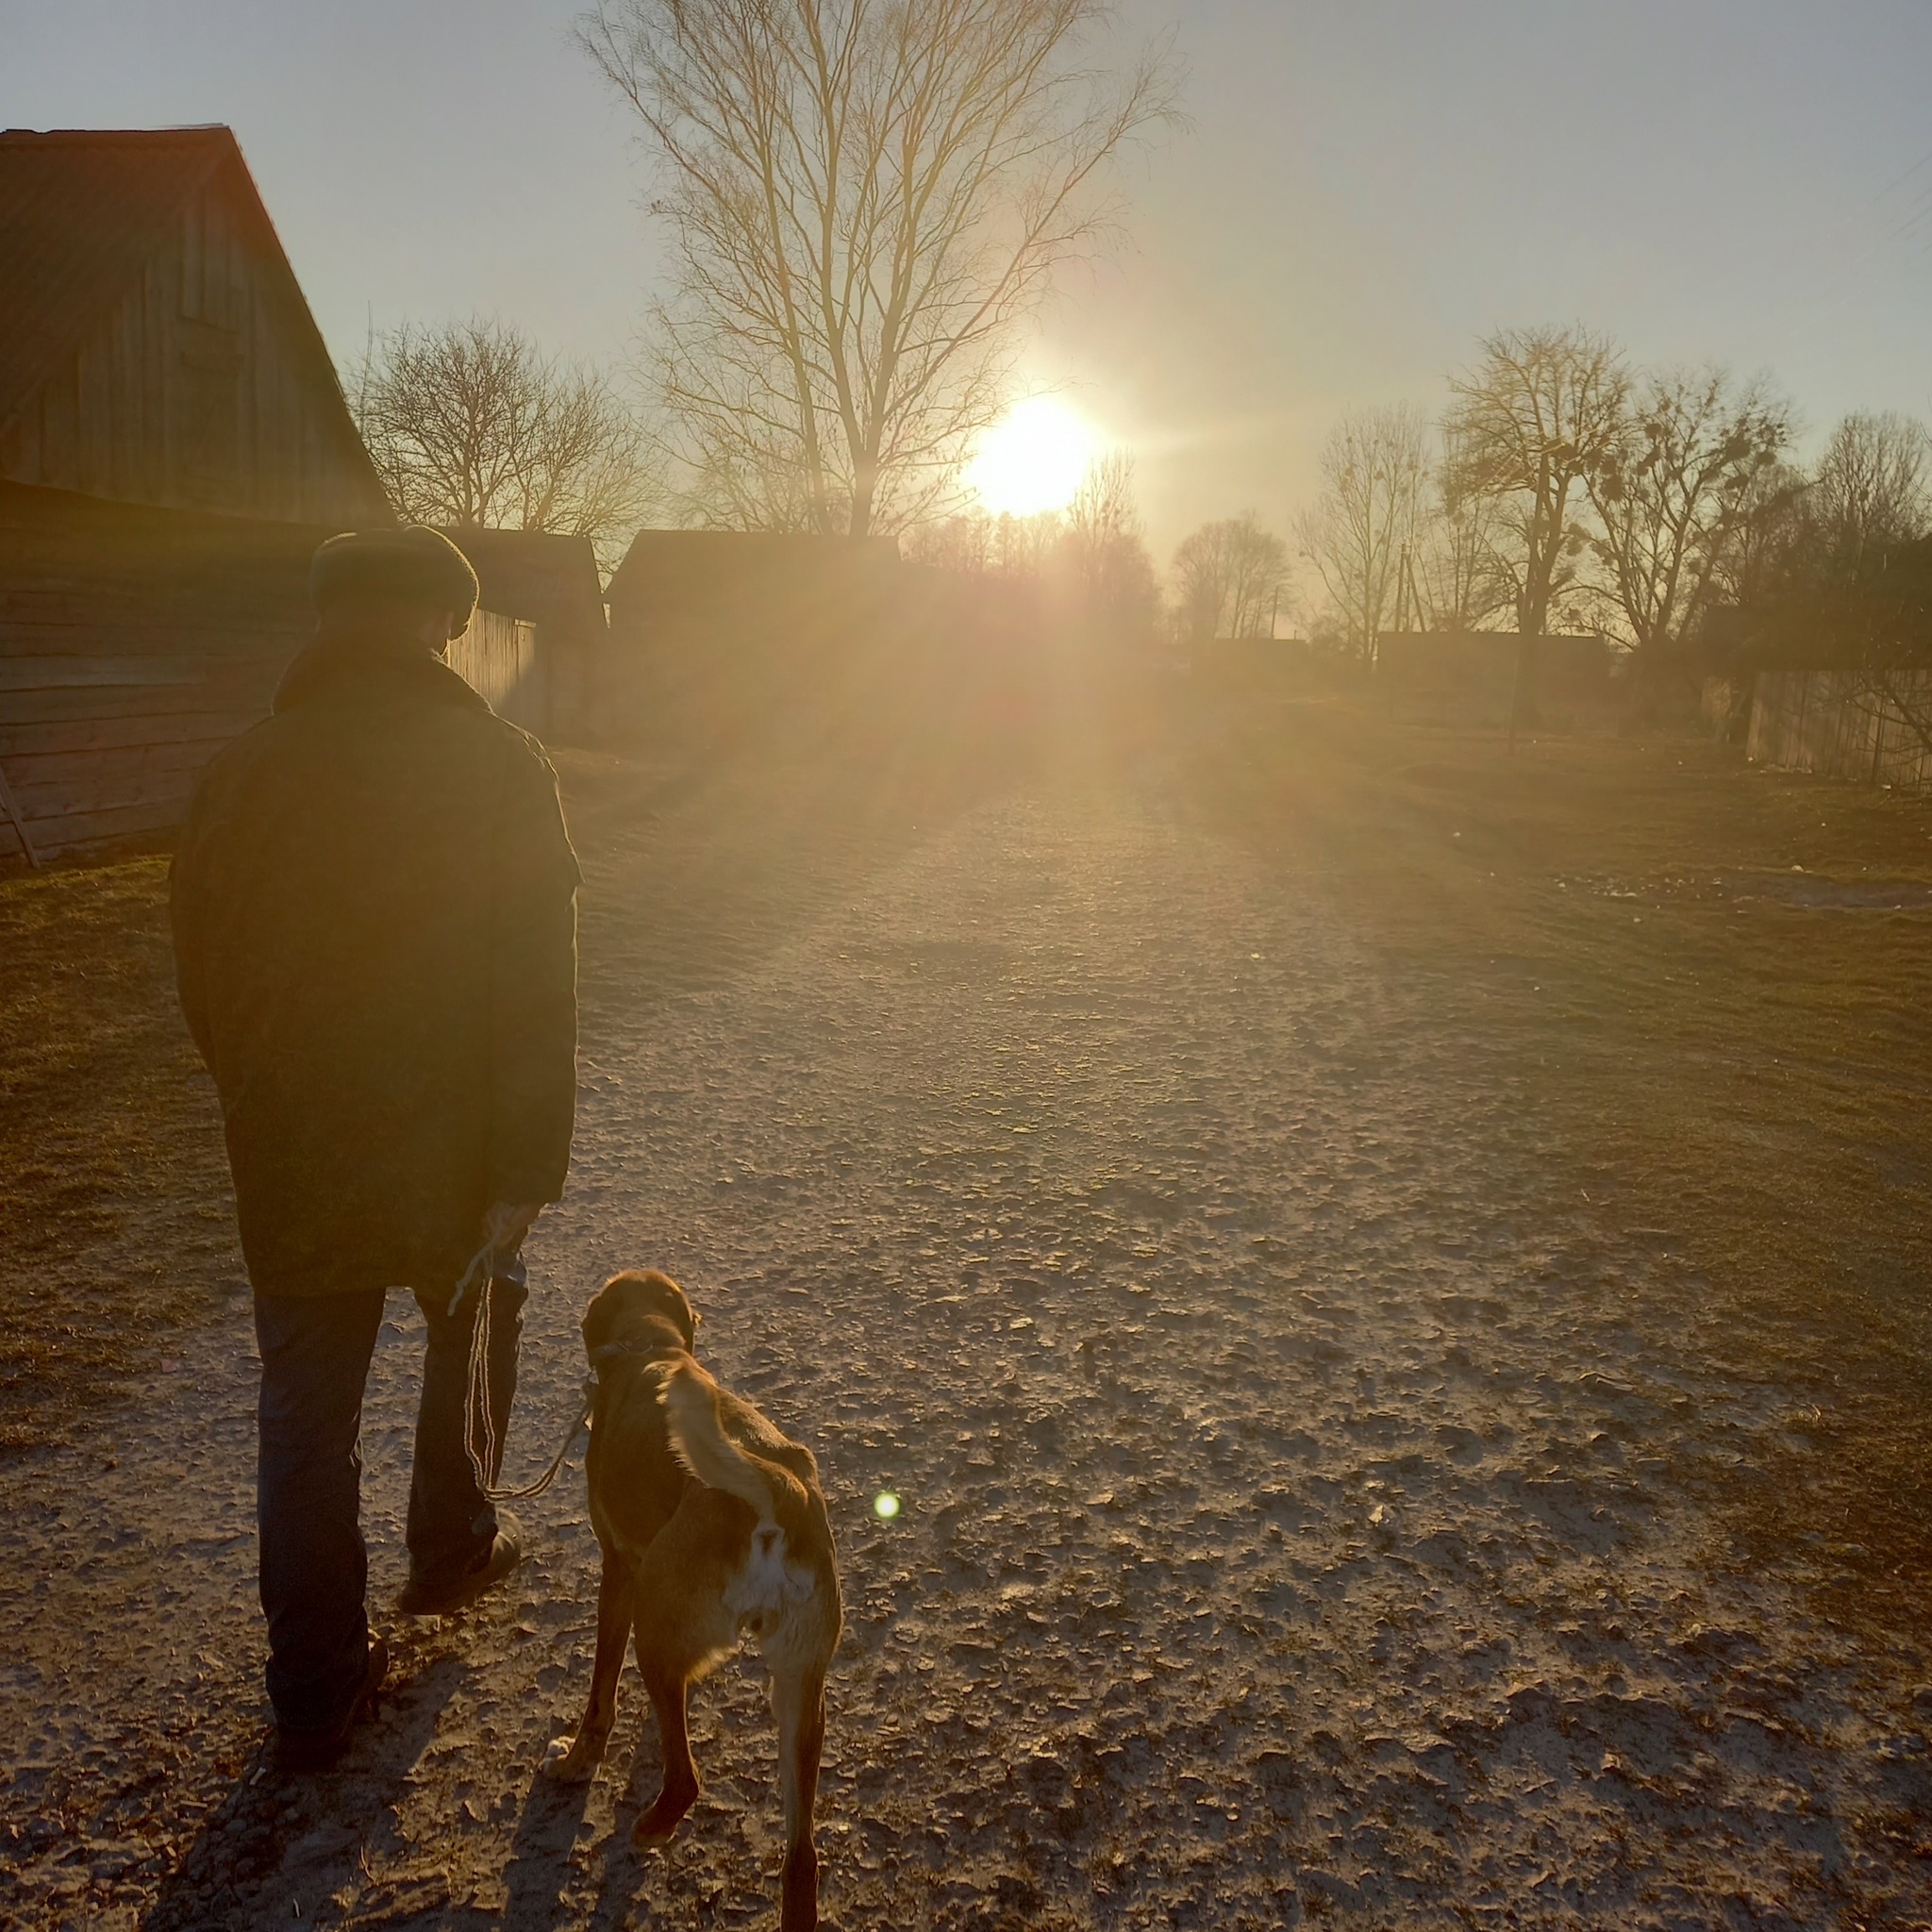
x,y
499,656
201,390
134,643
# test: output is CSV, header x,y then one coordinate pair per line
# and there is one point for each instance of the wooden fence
x,y
1839,726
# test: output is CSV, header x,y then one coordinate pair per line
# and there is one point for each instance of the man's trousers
x,y
315,1353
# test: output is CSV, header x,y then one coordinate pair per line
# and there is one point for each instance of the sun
x,y
1035,460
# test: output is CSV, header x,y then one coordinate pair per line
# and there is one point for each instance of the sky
x,y
1363,189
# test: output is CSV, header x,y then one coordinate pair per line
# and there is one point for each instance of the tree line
x,y
866,206
1562,487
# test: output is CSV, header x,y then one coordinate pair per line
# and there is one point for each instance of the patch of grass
x,y
114,1181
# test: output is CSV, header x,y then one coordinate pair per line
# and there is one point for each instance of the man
x,y
375,940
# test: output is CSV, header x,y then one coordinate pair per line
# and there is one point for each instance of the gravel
x,y
1301,1516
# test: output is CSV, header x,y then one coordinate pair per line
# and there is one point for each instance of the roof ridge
x,y
73,136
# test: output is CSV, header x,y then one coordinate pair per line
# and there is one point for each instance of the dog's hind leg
x,y
574,1761
798,1699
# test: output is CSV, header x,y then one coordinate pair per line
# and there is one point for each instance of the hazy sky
x,y
1367,186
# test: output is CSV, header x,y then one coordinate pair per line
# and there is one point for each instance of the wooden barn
x,y
173,445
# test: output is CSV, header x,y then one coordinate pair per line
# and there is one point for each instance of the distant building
x,y
709,628
173,445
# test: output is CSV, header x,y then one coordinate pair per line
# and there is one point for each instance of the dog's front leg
x,y
574,1761
669,1688
799,1702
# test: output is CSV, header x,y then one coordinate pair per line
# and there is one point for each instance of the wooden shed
x,y
173,444
711,628
547,587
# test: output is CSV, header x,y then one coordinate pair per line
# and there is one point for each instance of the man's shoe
x,y
437,1596
317,1749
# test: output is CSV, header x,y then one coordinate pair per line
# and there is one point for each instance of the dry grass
x,y
1748,1079
113,1187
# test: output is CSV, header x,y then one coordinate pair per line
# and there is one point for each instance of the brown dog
x,y
713,1525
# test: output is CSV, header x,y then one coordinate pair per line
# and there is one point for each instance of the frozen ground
x,y
1307,1513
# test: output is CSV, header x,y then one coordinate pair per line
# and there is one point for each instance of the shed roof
x,y
680,566
540,574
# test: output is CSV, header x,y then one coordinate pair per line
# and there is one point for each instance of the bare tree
x,y
1675,495
1872,491
865,199
1105,551
1359,533
977,543
1092,551
472,426
1460,582
1229,577
1538,413
1770,537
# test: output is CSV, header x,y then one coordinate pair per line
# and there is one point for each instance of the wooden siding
x,y
134,643
498,655
204,389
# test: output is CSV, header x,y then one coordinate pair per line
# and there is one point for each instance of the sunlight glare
x,y
1035,460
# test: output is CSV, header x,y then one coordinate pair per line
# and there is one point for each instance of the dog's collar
x,y
613,1350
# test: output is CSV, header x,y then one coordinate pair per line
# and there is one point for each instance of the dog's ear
x,y
600,1318
687,1319
671,1301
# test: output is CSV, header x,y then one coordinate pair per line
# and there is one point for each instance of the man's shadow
x,y
237,1864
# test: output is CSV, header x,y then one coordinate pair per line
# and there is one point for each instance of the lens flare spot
x,y
885,1506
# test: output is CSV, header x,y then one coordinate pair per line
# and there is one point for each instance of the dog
x,y
712,1526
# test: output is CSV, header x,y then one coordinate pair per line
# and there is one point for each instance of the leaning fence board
x,y
78,831
106,789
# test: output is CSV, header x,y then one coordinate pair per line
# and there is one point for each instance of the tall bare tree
x,y
865,199
1675,493
472,426
1461,582
1872,491
1358,535
1106,552
1529,424
1229,577
1092,551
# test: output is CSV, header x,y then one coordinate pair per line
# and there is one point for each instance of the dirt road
x,y
1306,1512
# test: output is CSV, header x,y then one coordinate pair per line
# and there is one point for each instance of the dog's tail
x,y
699,1441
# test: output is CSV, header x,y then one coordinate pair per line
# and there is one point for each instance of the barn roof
x,y
81,210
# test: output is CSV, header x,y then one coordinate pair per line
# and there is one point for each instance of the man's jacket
x,y
376,938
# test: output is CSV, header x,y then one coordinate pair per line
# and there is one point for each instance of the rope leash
x,y
477,1418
